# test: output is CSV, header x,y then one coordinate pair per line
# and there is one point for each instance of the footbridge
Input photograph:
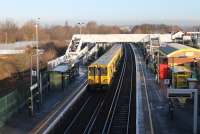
x,y
83,46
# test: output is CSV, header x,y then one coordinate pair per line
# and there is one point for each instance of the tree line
x,y
11,32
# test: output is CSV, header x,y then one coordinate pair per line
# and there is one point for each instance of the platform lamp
x,y
80,27
37,46
39,92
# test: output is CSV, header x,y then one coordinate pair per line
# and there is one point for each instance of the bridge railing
x,y
53,63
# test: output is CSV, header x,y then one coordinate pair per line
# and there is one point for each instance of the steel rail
x,y
131,89
116,96
116,102
74,119
60,110
93,117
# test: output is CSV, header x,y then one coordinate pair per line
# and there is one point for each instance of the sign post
x,y
177,93
30,99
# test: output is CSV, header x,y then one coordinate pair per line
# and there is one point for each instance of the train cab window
x,y
98,71
91,71
104,71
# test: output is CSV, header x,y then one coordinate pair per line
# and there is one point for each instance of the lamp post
x,y
36,74
39,93
158,69
80,26
37,45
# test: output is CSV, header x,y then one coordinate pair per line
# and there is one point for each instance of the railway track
x,y
51,123
118,119
86,117
110,112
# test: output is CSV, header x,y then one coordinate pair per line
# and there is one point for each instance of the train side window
x,y
91,71
104,71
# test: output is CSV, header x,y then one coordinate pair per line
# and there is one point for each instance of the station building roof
x,y
178,54
178,50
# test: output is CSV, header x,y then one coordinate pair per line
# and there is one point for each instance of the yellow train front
x,y
101,72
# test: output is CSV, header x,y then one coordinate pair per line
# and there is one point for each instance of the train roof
x,y
107,57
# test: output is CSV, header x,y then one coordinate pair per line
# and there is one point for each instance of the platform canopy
x,y
62,68
179,54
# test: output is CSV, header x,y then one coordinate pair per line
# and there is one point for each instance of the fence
x,y
15,99
8,105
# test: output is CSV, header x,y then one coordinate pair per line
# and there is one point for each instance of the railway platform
x,y
162,122
152,114
22,123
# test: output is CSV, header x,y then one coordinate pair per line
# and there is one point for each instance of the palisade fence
x,y
16,99
10,103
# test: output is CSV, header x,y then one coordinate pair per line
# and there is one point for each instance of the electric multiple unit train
x,y
101,72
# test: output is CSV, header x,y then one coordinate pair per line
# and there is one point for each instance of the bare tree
x,y
91,27
28,30
8,30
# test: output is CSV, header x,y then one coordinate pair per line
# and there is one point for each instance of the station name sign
x,y
177,93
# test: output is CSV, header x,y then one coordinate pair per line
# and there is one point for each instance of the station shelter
x,y
61,75
181,62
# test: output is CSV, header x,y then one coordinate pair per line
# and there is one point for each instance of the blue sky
x,y
103,11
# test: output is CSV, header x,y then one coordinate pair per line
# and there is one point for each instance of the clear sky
x,y
103,11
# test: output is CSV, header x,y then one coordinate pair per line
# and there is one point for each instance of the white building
x,y
15,48
178,35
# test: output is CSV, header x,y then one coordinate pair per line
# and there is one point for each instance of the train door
x,y
97,75
91,75
104,75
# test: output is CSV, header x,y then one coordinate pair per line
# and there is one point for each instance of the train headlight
x,y
90,81
105,81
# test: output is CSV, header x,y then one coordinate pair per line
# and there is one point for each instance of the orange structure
x,y
178,54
